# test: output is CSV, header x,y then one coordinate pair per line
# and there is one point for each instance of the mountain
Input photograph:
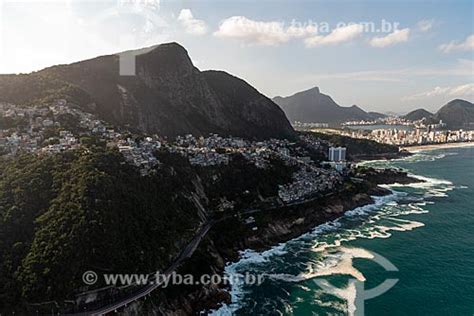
x,y
417,114
392,114
456,114
377,115
167,96
313,106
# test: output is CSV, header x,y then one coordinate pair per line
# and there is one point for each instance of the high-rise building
x,y
337,153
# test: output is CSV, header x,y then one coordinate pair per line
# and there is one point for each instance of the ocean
x,y
425,232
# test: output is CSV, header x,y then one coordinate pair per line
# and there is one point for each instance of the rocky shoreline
x,y
228,238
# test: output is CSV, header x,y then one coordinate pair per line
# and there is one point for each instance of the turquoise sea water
x,y
425,230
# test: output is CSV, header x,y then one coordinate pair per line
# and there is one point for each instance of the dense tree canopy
x,y
358,147
86,210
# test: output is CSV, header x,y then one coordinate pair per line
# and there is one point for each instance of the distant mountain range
x,y
456,114
170,97
311,106
167,96
417,114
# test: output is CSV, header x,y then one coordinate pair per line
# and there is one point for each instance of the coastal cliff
x,y
229,237
139,224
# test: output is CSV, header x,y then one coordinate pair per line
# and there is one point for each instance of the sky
x,y
386,56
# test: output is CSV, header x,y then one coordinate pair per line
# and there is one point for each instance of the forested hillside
x,y
358,147
66,214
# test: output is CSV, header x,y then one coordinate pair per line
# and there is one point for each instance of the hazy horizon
x,y
384,57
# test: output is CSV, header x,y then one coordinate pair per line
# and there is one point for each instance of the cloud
x,y
467,64
338,35
425,25
463,69
466,45
398,36
457,91
259,32
301,31
190,24
140,4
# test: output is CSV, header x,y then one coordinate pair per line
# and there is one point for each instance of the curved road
x,y
147,289
185,253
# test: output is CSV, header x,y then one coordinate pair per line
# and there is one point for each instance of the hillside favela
x,y
236,158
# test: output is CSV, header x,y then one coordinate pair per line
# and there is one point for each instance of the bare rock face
x,y
241,103
203,102
167,96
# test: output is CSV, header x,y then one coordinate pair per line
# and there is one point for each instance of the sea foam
x,y
329,241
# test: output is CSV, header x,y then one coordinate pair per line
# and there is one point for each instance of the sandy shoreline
x,y
415,149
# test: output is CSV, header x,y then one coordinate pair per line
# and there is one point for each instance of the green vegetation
x,y
70,122
61,215
88,209
7,122
358,147
39,88
85,210
241,181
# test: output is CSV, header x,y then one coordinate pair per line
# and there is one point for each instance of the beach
x,y
415,149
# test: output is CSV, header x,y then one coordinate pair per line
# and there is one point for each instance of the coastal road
x,y
186,253
154,284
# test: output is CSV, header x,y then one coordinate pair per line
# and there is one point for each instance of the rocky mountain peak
x,y
314,90
167,96
165,58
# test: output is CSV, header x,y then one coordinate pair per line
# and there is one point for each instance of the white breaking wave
x,y
431,187
252,256
376,220
334,263
378,202
417,157
247,257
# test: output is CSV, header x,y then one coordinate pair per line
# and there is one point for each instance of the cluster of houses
x,y
308,182
389,120
216,150
40,129
140,153
311,140
65,141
